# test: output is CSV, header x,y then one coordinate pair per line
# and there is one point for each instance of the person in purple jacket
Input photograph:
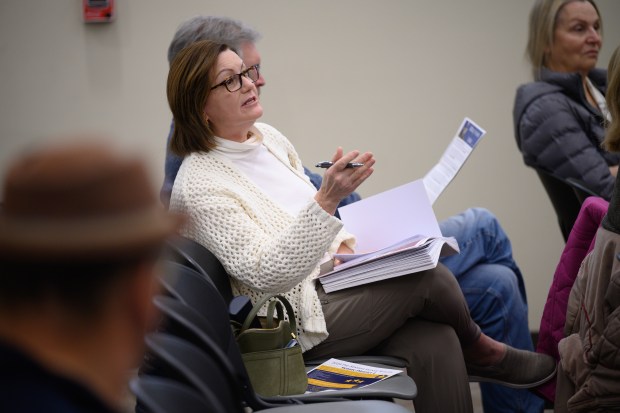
x,y
485,269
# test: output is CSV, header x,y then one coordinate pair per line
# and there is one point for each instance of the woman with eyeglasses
x,y
560,117
243,187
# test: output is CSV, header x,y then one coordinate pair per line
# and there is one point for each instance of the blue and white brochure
x,y
467,137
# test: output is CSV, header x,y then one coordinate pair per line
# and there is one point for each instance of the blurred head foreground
x,y
81,203
80,229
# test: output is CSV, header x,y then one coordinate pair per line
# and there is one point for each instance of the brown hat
x,y
80,202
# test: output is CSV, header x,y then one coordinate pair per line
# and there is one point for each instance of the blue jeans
x,y
495,293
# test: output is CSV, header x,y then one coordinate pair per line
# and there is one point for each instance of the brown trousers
x,y
422,318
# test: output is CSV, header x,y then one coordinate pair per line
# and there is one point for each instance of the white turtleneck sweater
x,y
261,167
239,200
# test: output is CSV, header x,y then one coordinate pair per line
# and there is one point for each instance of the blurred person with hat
x,y
80,232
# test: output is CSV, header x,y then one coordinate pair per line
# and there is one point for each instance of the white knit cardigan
x,y
263,248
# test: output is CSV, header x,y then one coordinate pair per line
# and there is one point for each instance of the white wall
x,y
394,77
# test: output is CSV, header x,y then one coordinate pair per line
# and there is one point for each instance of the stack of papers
x,y
417,254
388,228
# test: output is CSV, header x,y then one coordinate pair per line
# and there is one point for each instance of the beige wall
x,y
394,77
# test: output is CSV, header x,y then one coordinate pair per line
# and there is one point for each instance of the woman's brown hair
x,y
189,84
612,137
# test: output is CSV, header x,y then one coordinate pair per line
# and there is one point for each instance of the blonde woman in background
x,y
559,118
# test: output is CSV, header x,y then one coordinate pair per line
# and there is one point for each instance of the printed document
x,y
337,374
397,234
394,262
466,139
396,231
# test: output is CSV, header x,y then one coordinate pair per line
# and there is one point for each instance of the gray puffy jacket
x,y
557,130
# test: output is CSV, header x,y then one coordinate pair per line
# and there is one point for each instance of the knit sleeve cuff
x,y
332,223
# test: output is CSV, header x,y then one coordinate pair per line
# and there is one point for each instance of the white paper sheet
x,y
455,155
390,217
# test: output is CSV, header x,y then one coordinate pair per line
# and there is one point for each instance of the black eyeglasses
x,y
234,82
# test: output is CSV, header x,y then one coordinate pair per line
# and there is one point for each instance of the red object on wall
x,y
98,11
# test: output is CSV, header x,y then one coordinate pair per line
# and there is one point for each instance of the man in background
x,y
80,231
485,269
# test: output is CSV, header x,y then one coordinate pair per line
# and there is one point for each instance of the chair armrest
x,y
357,406
582,191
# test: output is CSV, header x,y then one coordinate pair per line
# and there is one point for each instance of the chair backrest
x,y
581,189
194,255
187,285
183,322
159,395
210,316
564,200
175,358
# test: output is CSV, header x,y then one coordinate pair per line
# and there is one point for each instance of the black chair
x,y
207,323
566,196
175,358
212,307
187,285
184,322
581,189
159,395
190,253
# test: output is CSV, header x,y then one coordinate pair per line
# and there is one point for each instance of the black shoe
x,y
518,369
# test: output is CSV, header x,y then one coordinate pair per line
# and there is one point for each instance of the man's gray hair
x,y
217,29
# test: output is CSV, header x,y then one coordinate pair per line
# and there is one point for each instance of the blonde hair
x,y
542,23
612,137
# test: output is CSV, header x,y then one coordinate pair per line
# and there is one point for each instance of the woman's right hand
x,y
339,181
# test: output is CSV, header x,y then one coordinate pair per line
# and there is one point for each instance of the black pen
x,y
327,164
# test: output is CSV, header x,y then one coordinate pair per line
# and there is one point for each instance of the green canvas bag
x,y
271,355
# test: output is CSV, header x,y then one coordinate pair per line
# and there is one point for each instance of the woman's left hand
x,y
342,249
